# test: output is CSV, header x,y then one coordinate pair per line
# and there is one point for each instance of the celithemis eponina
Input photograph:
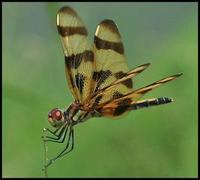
x,y
98,78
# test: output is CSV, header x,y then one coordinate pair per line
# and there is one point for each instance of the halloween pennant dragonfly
x,y
98,78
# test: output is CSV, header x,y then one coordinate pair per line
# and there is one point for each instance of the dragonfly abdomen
x,y
150,102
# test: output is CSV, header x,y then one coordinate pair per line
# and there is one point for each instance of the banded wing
x,y
130,101
110,62
79,56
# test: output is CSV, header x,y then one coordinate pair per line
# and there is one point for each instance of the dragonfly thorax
x,y
76,113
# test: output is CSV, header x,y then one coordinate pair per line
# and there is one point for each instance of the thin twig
x,y
45,153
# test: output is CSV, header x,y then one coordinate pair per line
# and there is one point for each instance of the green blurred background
x,y
155,142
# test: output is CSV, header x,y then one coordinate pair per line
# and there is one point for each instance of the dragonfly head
x,y
56,117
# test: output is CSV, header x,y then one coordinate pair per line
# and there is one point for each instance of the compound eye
x,y
58,115
55,114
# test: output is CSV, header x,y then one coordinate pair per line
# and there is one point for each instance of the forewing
x,y
79,56
110,61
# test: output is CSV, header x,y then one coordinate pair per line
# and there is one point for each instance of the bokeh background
x,y
155,142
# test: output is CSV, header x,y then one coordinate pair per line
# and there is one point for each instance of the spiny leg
x,y
53,132
72,147
57,140
71,135
57,136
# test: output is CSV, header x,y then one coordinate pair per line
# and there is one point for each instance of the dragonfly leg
x,y
57,136
64,151
52,132
72,146
61,136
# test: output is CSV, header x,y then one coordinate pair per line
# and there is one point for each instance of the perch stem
x,y
45,169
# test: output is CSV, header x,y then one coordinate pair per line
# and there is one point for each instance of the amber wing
x,y
111,65
79,56
131,100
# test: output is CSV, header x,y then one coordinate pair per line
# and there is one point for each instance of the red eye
x,y
57,114
56,117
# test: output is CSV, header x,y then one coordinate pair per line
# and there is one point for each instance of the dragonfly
x,y
98,77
